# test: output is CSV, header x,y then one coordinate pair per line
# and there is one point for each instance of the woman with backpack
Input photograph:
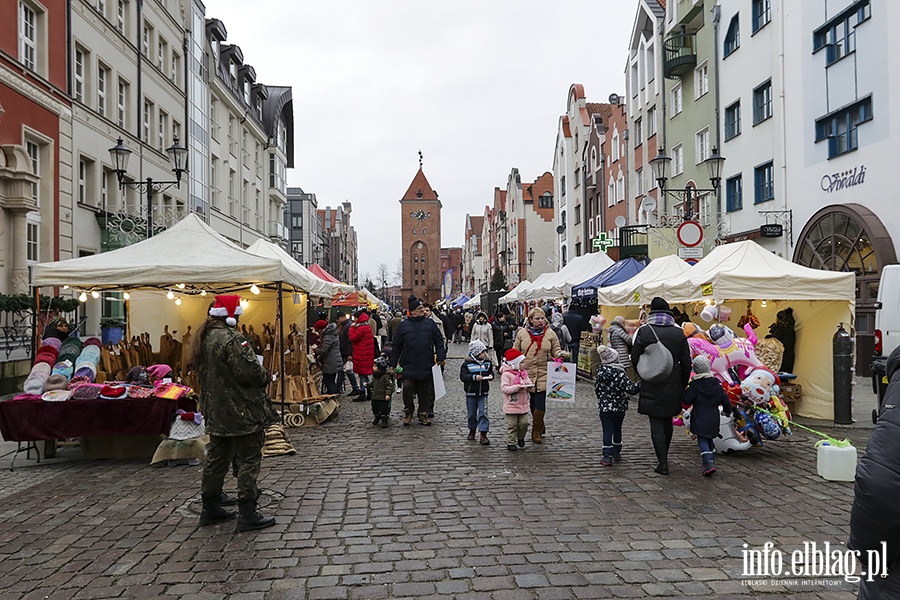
x,y
663,387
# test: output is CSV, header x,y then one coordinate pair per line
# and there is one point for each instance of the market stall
x,y
168,281
559,284
743,283
513,294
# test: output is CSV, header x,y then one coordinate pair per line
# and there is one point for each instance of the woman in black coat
x,y
874,517
661,401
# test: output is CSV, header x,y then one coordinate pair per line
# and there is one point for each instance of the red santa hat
x,y
228,306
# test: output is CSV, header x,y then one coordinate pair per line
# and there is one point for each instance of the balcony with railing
x,y
680,53
633,241
277,231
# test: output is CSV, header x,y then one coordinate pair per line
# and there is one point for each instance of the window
x,y
611,193
676,99
651,122
232,142
764,183
639,174
734,193
176,129
577,214
733,36
762,102
148,115
733,120
213,119
545,200
677,159
27,36
173,74
121,103
82,181
247,92
840,127
562,186
101,90
615,147
32,243
34,153
701,144
701,80
79,74
620,188
145,47
838,36
120,16
638,132
101,7
762,14
161,55
161,130
104,190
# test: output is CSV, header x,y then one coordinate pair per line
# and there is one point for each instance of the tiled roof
x,y
477,224
603,109
420,184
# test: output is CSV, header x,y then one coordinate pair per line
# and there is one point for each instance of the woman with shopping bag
x,y
539,344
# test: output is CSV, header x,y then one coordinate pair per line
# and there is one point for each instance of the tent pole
x,y
36,292
281,374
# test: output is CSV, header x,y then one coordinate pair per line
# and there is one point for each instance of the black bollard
x,y
842,345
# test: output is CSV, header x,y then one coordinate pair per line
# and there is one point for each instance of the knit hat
x,y
381,363
701,364
513,358
56,382
228,306
607,355
320,325
113,392
658,304
51,341
413,303
476,347
157,372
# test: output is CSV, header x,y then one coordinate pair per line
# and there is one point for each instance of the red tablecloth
x,y
27,418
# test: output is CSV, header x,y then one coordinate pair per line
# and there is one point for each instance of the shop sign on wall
x,y
844,179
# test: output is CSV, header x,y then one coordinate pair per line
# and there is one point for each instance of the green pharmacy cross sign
x,y
602,242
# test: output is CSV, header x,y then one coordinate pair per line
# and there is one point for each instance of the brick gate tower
x,y
420,213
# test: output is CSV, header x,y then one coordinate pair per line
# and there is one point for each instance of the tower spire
x,y
420,158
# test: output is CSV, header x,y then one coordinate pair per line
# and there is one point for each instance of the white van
x,y
887,311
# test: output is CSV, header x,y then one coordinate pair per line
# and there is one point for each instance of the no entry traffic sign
x,y
690,233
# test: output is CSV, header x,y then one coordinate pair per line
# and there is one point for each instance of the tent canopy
x,y
631,292
297,273
746,270
473,301
460,300
189,253
513,295
619,272
322,273
559,284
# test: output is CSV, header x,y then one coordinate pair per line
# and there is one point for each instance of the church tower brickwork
x,y
420,214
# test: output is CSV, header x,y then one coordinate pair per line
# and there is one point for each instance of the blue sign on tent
x,y
618,272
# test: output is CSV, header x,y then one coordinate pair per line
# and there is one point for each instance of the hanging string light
x,y
82,297
178,301
254,289
95,294
127,296
170,295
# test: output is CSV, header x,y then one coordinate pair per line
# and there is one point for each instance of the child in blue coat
x,y
706,395
612,387
476,373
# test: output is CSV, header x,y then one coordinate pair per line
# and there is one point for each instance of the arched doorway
x,y
850,237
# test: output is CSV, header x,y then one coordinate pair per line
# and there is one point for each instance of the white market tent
x,y
472,302
745,276
314,285
559,284
513,294
632,291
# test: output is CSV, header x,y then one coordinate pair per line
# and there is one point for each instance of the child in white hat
x,y
612,387
476,372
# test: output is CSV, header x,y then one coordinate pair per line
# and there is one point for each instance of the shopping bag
x,y
440,390
561,381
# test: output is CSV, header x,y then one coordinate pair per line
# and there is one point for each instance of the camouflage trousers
x,y
245,452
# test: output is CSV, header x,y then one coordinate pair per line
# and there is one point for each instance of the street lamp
x,y
177,156
714,164
530,254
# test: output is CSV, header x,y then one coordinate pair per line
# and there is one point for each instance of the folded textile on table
x,y
56,396
87,391
170,391
113,392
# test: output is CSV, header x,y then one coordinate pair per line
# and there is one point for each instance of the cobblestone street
x,y
418,512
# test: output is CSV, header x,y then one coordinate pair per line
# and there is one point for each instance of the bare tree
x,y
382,276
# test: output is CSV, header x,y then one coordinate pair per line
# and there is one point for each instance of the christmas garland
x,y
23,302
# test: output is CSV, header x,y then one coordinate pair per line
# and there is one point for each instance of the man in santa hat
x,y
237,409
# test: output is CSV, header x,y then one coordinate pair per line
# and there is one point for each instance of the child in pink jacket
x,y
515,385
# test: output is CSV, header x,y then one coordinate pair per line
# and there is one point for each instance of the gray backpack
x,y
656,362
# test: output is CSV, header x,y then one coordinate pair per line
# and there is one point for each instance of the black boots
x,y
226,500
662,453
213,512
250,518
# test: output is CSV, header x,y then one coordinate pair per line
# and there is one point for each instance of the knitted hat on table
x,y
228,306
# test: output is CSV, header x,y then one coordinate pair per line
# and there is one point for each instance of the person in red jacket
x,y
363,341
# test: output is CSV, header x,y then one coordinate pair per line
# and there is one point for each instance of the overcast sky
x,y
477,85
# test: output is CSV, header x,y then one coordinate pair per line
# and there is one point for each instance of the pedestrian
x,y
558,324
539,345
482,331
502,333
363,341
329,355
621,343
874,519
237,411
394,324
476,373
344,324
418,346
576,325
706,395
661,400
382,390
515,384
612,387
429,314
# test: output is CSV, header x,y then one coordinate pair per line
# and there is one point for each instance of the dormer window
x,y
247,91
232,70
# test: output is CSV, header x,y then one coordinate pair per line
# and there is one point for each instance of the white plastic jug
x,y
836,463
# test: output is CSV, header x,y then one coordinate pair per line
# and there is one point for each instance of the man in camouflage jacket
x,y
237,410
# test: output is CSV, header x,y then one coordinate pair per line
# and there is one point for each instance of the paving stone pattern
x,y
420,512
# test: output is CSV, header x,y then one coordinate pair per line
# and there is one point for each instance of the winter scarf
x,y
660,318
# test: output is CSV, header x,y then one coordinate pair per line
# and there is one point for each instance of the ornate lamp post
x,y
714,164
177,156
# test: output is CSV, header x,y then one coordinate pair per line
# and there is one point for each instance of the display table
x,y
27,418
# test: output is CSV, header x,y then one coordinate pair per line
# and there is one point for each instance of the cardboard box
x,y
792,392
316,413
